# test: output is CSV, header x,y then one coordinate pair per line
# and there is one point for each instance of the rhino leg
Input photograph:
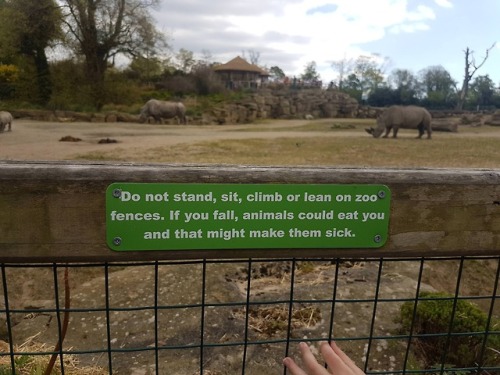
x,y
395,132
387,131
420,128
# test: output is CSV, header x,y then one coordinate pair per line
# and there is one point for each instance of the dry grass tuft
x,y
272,321
27,364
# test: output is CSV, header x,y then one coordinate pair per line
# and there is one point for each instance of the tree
x,y
405,85
28,28
382,97
9,74
310,74
369,72
145,69
343,67
277,73
483,91
352,86
253,56
364,75
101,29
471,67
438,88
185,60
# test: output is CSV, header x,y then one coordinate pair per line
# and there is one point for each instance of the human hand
x,y
338,362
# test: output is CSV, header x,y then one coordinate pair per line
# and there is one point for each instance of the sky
x,y
409,34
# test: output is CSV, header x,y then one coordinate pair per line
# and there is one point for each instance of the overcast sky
x,y
412,34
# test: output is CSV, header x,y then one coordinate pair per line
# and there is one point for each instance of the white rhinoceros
x,y
159,109
5,119
405,117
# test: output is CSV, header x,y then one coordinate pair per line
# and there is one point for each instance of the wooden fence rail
x,y
55,211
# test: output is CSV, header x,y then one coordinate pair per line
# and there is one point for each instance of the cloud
x,y
290,33
326,8
444,3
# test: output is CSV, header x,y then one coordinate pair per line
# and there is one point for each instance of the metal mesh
x,y
244,316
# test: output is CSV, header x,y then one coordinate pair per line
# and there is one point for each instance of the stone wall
x,y
71,116
262,104
283,104
274,104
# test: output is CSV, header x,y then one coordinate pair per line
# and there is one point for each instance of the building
x,y
238,73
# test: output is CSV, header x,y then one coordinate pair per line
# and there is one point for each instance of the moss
x,y
432,323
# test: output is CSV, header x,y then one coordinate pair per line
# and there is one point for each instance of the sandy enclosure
x,y
36,140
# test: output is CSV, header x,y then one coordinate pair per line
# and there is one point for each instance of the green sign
x,y
161,216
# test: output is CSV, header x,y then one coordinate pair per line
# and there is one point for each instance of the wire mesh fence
x,y
391,315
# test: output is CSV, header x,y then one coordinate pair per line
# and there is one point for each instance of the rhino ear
x,y
370,130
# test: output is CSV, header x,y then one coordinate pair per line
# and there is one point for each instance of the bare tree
x,y
343,67
471,67
185,60
101,29
253,56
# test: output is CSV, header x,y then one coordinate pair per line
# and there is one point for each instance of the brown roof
x,y
240,64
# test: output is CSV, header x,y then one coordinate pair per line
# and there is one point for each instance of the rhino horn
x,y
370,130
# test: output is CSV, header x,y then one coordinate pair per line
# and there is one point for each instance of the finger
x,y
293,367
345,358
333,360
313,367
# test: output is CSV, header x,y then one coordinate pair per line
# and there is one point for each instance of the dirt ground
x,y
38,140
34,140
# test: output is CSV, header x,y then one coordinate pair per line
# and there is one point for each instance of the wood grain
x,y
55,211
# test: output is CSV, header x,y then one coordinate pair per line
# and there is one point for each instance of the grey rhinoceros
x,y
405,117
159,109
5,119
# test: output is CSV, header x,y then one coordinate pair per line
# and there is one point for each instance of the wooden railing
x,y
55,211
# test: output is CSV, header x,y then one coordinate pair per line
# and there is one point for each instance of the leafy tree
x,y
383,97
27,28
145,69
101,29
405,85
276,73
9,74
310,74
352,86
66,75
438,87
369,72
483,91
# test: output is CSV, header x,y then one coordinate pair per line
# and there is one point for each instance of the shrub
x,y
433,316
9,75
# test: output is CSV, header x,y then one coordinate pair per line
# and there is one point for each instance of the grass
x,y
28,364
444,151
326,142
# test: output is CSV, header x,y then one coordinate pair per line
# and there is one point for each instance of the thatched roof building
x,y
238,73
